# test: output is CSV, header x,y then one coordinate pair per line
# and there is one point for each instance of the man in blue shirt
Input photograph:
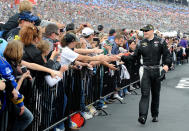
x,y
24,116
183,42
111,38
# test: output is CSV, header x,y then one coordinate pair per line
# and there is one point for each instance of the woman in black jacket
x,y
30,36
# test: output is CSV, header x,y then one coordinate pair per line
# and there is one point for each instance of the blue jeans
x,y
23,121
61,125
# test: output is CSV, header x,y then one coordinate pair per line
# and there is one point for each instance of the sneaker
x,y
118,97
132,88
104,106
93,111
57,129
111,99
137,86
155,119
127,93
108,101
87,115
142,120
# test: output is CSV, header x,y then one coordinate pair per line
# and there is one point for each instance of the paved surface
x,y
174,109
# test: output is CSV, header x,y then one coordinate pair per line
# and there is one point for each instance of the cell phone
x,y
24,69
56,45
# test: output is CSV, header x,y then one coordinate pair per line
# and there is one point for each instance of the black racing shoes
x,y
155,119
142,120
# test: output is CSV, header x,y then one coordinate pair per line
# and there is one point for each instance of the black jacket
x,y
12,33
34,55
13,23
151,52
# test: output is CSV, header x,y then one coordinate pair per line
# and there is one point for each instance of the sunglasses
x,y
146,30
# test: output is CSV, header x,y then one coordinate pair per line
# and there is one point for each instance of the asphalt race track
x,y
174,108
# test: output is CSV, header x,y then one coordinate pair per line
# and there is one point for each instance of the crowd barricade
x,y
51,106
93,85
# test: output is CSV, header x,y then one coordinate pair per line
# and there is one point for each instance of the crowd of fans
x,y
48,48
133,14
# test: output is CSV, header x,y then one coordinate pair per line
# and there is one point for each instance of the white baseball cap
x,y
87,31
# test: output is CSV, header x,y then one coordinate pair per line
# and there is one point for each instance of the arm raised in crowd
x,y
94,58
37,67
78,63
25,75
111,66
88,51
136,54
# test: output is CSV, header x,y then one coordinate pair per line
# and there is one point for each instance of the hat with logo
x,y
87,31
147,28
28,16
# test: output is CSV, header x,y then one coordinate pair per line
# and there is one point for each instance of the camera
x,y
24,69
96,39
96,33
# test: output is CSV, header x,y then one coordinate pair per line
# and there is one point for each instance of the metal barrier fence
x,y
92,84
78,89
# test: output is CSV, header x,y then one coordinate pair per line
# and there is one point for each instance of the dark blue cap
x,y
27,16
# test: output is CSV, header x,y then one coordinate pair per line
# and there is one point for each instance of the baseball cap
x,y
100,27
87,31
147,28
28,16
112,31
70,26
70,37
51,28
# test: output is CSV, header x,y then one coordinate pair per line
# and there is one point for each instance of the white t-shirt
x,y
67,56
52,81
